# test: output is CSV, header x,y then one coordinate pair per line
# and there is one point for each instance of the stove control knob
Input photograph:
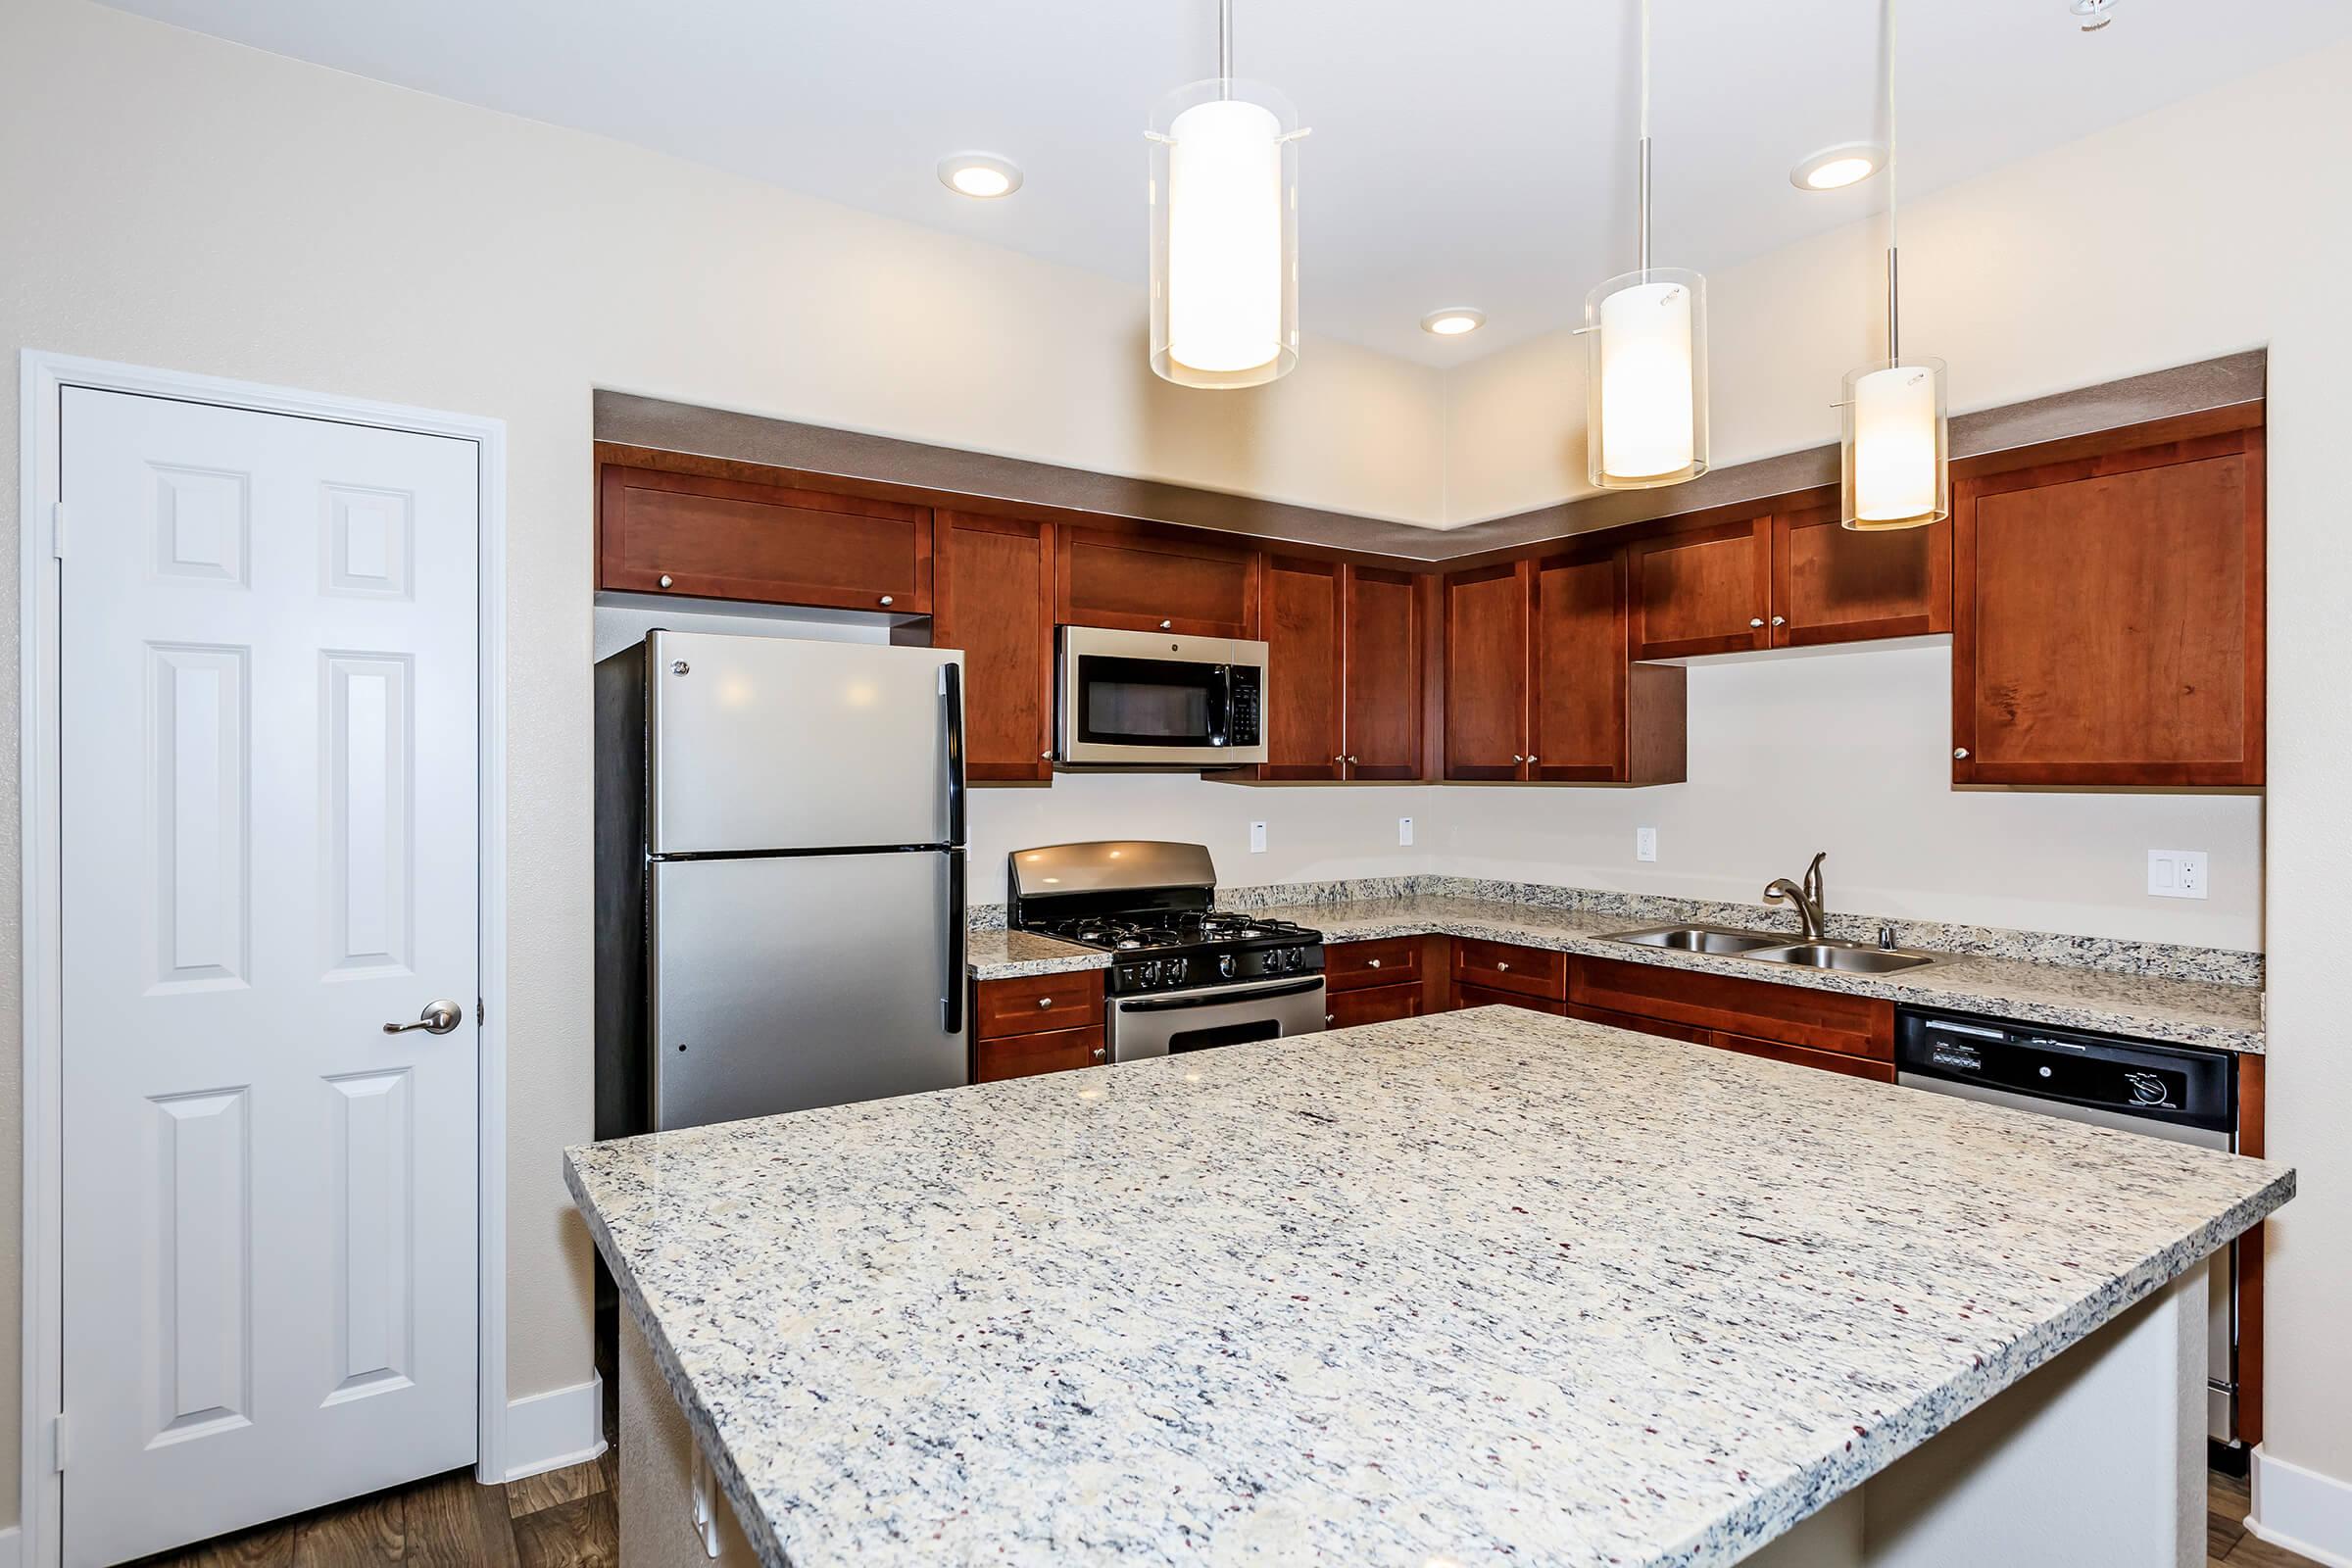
x,y
1176,969
1225,965
1298,958
1150,971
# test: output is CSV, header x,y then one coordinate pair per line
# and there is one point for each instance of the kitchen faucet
x,y
1807,898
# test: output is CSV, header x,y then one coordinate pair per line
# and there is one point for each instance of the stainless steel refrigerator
x,y
780,877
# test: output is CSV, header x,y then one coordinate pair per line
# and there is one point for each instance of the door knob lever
x,y
437,1018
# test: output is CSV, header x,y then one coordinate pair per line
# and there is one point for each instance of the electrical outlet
x,y
1258,838
1404,830
1646,843
2176,873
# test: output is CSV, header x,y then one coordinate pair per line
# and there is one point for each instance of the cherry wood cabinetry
x,y
1302,621
1041,1023
1637,1024
1382,612
725,538
1504,966
1357,965
1344,1009
1154,580
1833,584
995,600
1481,997
1828,1021
1486,615
2108,623
1880,1072
1702,587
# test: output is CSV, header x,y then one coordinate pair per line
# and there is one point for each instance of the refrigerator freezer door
x,y
768,743
787,982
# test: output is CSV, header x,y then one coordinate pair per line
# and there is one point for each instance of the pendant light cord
x,y
1225,48
1894,340
1642,219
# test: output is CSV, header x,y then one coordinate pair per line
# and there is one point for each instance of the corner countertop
x,y
2191,1013
1490,1286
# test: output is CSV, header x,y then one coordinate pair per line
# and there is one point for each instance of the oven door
x,y
1217,1016
1148,700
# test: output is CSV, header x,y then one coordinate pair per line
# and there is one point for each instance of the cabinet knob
x,y
1516,757
1044,756
1165,624
1331,1017
1373,963
1098,1052
1045,1001
1531,758
666,580
1502,965
1351,761
1780,620
886,599
1756,620
1960,754
1338,758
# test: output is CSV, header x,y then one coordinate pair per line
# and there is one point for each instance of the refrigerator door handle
x,y
951,687
950,1005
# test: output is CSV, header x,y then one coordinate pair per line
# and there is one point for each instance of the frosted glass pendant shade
x,y
1224,235
1645,421
1897,449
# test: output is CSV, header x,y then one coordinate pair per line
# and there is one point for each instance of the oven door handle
x,y
1223,995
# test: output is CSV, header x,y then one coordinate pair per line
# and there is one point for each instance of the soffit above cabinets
x,y
1476,152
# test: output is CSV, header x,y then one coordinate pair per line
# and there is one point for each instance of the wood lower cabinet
x,y
1382,961
1382,614
1154,580
1879,1072
1487,613
1594,717
1344,1009
1481,997
1504,966
1833,584
1829,1023
1686,1032
1027,1055
1702,587
1036,1024
2108,624
995,601
731,538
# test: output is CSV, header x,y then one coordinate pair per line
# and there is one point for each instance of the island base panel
x,y
2096,1460
665,1497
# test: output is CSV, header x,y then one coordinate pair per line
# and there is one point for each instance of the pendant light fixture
x,y
1895,446
1645,383
1224,229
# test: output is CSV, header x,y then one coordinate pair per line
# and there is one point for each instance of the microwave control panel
x,y
1242,721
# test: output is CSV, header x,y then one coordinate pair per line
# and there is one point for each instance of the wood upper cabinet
x,y
1154,581
1596,716
1701,588
1487,613
995,601
1833,584
714,538
1299,615
1382,612
2108,619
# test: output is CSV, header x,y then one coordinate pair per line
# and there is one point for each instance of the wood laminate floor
x,y
565,1519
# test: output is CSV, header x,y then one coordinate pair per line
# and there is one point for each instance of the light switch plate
x,y
2176,873
1258,838
1646,843
1404,830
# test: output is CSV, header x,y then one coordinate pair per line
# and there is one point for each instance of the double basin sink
x,y
1851,957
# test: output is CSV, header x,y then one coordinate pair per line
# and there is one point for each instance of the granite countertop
x,y
995,954
1489,1286
2193,1013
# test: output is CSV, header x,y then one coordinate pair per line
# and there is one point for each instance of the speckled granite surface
x,y
1489,1287
2194,1012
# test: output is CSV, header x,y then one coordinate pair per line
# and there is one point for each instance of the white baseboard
x,y
549,1431
2301,1510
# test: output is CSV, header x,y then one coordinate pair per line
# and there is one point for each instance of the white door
x,y
267,714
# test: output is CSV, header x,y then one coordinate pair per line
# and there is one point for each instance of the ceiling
x,y
1472,153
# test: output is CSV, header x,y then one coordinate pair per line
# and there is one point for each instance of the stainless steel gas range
x,y
1184,975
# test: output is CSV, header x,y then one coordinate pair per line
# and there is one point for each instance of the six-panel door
x,y
268,670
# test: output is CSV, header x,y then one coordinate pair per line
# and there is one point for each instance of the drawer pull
x,y
1502,965
1374,962
666,580
1098,1052
1045,1001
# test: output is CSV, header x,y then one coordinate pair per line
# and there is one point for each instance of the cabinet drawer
x,y
1353,965
1481,997
1344,1009
1027,1055
1639,1025
1760,1010
1037,1002
1501,966
1882,1072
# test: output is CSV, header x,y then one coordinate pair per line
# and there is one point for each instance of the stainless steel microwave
x,y
1147,698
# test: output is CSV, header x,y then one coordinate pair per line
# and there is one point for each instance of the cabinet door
x,y
994,598
1147,581
1299,614
1383,617
1831,584
2108,619
1481,997
686,533
1485,672
1703,590
1581,666
1345,1009
1028,1056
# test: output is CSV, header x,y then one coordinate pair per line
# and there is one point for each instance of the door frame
x,y
43,378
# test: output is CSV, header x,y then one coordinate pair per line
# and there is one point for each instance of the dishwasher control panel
x,y
2180,1085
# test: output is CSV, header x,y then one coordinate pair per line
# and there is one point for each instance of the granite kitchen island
x,y
1483,1287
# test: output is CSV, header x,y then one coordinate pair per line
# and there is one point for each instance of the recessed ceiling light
x,y
2093,15
1849,162
1454,320
982,174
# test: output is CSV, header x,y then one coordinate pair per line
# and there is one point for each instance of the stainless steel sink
x,y
1852,957
1701,939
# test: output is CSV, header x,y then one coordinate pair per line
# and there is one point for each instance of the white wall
x,y
180,202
